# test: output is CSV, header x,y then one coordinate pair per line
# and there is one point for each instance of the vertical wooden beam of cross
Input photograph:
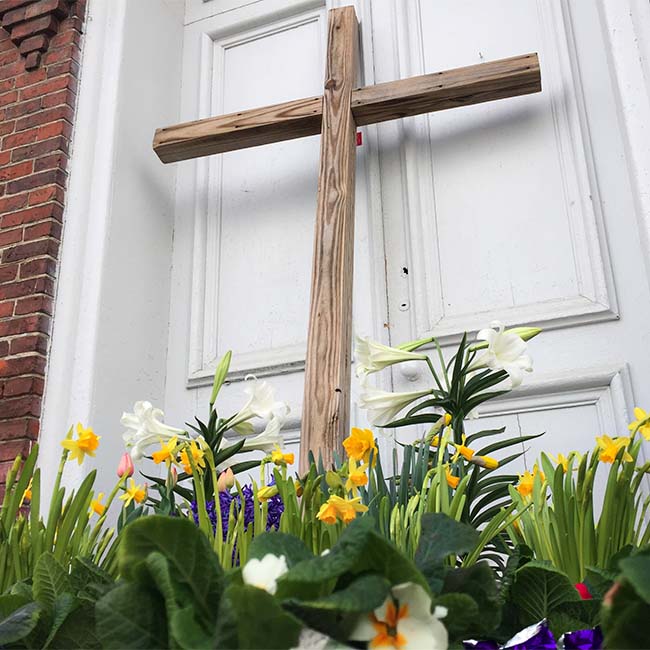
x,y
335,115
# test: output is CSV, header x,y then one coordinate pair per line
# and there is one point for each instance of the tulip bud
x,y
524,333
172,478
126,467
226,480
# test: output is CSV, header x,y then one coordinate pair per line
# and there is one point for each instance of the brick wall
x,y
38,88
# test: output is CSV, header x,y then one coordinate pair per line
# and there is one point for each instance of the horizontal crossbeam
x,y
473,84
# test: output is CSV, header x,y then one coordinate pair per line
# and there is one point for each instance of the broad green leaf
x,y
19,624
50,580
261,622
462,614
538,590
363,594
441,537
64,605
9,603
274,543
131,616
636,570
187,632
193,566
625,621
78,630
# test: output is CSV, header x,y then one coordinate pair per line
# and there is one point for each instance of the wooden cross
x,y
336,115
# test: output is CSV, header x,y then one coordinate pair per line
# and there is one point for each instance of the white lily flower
x,y
404,621
264,573
145,427
268,439
383,406
261,403
371,356
505,351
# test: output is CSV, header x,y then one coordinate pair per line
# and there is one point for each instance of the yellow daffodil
x,y
485,461
462,450
27,494
641,424
560,459
280,458
266,492
166,453
299,489
134,492
97,506
344,509
359,444
356,476
198,456
609,448
527,481
452,481
85,444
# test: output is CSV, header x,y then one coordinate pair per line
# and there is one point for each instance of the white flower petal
x,y
265,573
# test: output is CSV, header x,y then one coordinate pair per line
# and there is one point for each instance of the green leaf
x,y
261,622
131,616
50,580
293,548
538,590
193,566
187,632
363,594
64,605
636,570
19,623
625,621
78,630
441,537
462,614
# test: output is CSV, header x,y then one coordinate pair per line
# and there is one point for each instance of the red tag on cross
x,y
359,139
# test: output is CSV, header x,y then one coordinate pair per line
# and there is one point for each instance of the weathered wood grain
x,y
474,84
326,406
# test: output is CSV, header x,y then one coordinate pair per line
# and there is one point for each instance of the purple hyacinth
x,y
275,509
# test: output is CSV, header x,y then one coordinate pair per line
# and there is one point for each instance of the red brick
x,y
4,348
16,366
18,139
24,325
8,5
10,236
7,57
30,78
43,25
57,7
34,305
55,128
7,308
36,180
7,84
31,249
63,112
10,449
33,60
59,54
8,98
60,97
12,69
19,407
29,343
31,215
13,17
54,161
10,203
23,386
43,194
6,127
34,268
40,148
13,429
16,171
32,43
28,287
24,108
46,87
50,228
8,272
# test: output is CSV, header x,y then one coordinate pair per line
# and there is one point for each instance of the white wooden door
x,y
519,210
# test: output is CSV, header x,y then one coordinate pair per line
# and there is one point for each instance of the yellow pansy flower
x,y
609,448
166,452
356,476
280,458
134,492
97,506
527,481
85,444
642,423
198,456
344,509
359,444
452,481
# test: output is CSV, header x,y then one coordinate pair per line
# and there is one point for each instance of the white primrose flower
x,y
404,621
383,406
505,351
264,573
371,356
261,403
145,427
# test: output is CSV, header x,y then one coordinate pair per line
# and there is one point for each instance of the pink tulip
x,y
172,478
226,480
125,468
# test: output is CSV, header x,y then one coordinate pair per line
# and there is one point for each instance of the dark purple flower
x,y
534,637
583,640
